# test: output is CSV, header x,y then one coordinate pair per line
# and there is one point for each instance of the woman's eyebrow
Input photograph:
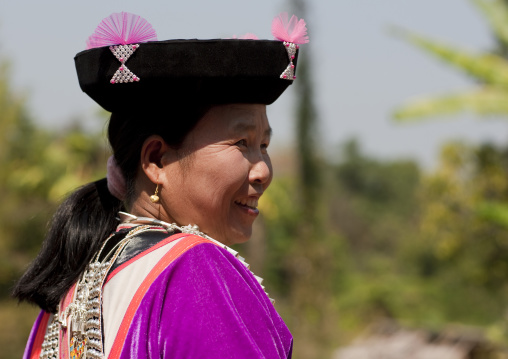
x,y
249,127
244,126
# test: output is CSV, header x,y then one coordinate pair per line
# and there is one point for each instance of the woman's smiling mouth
x,y
250,204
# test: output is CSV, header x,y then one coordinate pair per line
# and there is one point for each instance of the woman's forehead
x,y
247,118
240,117
231,121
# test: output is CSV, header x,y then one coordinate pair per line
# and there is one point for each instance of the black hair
x,y
88,216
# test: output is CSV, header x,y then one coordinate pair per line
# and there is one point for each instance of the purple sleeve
x,y
206,304
33,334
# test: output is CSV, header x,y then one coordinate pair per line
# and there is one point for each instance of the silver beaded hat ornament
x,y
122,32
292,32
289,72
122,53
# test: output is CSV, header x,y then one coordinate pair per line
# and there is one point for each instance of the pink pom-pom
x,y
121,29
116,182
294,30
247,36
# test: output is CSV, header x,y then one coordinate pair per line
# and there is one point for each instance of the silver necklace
x,y
83,316
125,217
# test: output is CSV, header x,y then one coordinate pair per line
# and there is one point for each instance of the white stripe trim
x,y
120,290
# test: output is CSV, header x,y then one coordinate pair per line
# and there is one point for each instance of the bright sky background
x,y
361,72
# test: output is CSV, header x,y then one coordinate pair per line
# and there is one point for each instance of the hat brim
x,y
208,71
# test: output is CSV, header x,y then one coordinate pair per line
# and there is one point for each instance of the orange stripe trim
x,y
165,241
39,337
63,335
181,247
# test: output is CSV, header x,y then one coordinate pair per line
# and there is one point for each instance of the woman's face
x,y
222,169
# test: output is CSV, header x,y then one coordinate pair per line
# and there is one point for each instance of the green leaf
x,y
496,13
488,68
485,101
496,212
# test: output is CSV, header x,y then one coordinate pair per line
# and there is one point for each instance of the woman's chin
x,y
236,237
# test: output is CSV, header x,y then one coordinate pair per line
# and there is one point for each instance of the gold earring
x,y
155,198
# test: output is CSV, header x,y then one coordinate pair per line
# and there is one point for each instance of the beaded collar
x,y
82,317
127,218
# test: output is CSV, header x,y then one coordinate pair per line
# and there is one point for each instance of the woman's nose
x,y
261,171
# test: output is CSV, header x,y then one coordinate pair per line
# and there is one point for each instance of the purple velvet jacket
x,y
205,304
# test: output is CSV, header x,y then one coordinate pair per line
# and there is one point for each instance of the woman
x,y
189,135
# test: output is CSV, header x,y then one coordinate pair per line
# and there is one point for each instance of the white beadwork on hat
x,y
122,53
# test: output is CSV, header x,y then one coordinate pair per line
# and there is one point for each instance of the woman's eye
x,y
241,143
264,147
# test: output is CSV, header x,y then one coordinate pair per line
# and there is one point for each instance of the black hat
x,y
130,73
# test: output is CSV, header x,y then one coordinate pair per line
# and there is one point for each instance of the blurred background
x,y
385,231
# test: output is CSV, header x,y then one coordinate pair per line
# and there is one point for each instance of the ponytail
x,y
88,215
77,230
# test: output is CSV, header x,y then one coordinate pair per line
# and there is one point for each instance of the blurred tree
x,y
310,256
423,249
461,253
37,168
374,205
491,72
375,201
496,15
463,246
307,130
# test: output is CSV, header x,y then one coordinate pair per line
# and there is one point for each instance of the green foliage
x,y
459,255
487,69
461,251
17,321
425,250
37,169
281,216
376,181
496,13
484,101
467,189
495,212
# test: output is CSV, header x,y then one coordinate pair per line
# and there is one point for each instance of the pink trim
x,y
180,248
130,225
39,337
170,239
63,335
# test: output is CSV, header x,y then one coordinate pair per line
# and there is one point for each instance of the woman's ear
x,y
153,150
